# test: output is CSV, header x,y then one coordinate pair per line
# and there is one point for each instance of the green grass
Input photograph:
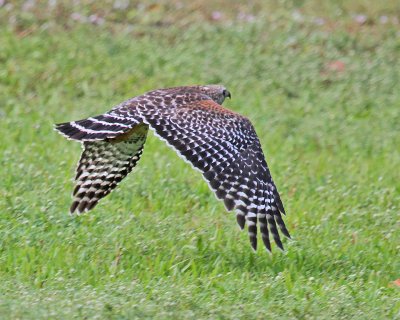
x,y
161,246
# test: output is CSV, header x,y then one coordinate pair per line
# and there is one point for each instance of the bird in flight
x,y
220,143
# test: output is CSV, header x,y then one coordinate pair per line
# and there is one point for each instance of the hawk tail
x,y
108,125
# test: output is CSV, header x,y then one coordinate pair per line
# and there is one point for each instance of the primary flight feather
x,y
220,143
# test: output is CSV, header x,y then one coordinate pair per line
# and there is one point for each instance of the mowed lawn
x,y
322,88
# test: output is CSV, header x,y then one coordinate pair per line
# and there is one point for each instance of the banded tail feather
x,y
108,125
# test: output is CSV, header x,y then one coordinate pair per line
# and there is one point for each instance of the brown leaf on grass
x,y
292,191
336,66
332,68
395,283
354,238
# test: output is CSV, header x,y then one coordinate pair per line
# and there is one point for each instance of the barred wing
x,y
225,148
103,164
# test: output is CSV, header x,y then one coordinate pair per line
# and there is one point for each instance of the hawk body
x,y
221,144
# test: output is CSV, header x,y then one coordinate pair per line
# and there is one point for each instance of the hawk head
x,y
216,92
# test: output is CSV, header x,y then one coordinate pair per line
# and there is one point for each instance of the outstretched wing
x,y
225,148
103,164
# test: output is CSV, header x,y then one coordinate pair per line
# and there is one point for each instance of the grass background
x,y
320,82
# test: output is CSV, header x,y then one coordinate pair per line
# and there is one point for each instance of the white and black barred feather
x,y
223,145
103,164
108,125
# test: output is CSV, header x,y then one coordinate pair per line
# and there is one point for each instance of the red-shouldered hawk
x,y
220,143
